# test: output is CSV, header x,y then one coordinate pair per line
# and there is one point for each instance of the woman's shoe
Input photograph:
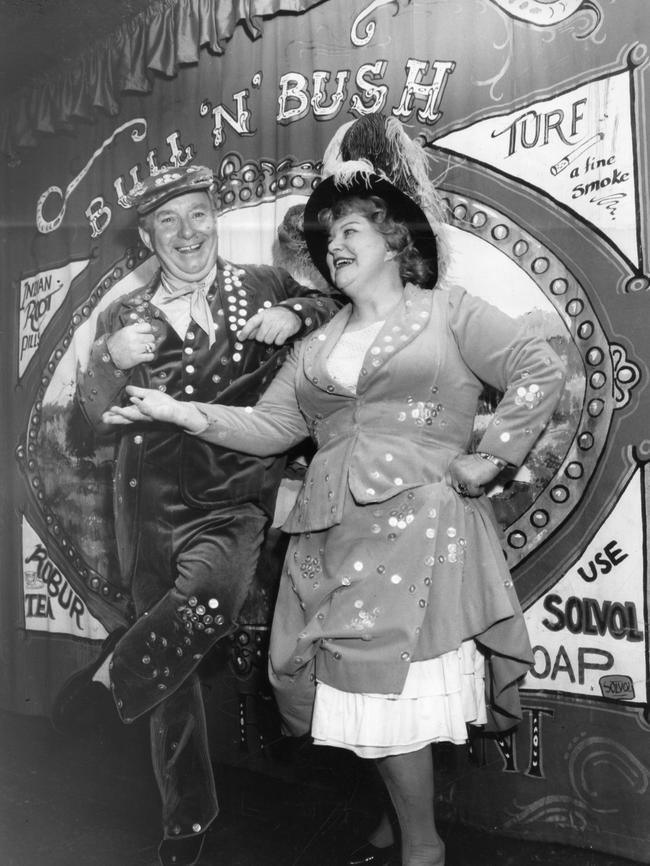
x,y
181,852
370,855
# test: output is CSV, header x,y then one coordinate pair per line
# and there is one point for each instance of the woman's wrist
x,y
499,462
193,421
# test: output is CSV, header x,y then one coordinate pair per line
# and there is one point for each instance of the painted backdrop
x,y
535,117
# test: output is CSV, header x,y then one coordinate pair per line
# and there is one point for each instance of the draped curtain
x,y
156,42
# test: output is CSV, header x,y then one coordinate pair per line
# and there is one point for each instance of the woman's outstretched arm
x,y
272,426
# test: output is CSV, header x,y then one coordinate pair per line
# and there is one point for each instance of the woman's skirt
x,y
363,603
441,696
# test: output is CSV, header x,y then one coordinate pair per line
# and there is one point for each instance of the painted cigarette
x,y
575,153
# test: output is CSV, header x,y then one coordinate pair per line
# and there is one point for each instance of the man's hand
x,y
148,404
273,325
132,345
469,473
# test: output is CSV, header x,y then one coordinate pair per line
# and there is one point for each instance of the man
x,y
190,517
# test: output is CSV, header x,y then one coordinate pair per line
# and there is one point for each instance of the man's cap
x,y
149,194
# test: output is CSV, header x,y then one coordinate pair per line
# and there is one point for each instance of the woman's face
x,y
356,252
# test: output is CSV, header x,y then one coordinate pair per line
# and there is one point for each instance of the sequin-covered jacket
x,y
415,404
230,372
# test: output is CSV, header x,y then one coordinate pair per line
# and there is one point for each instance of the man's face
x,y
182,232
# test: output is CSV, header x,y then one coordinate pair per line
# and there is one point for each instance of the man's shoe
x,y
181,852
370,855
77,705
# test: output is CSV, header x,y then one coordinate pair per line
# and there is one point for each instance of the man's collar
x,y
173,286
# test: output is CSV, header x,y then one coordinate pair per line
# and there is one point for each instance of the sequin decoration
x,y
424,413
310,567
365,619
402,518
529,397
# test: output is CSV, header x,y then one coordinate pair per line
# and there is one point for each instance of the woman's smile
x,y
341,262
356,250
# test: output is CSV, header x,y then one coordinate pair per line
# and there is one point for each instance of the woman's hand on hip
x,y
469,473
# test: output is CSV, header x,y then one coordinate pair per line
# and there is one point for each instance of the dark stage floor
x,y
89,800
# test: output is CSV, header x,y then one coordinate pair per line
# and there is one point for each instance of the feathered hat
x,y
365,183
374,156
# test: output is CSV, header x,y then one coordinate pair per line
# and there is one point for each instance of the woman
x,y
395,601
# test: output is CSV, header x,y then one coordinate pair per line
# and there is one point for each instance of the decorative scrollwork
x,y
138,132
559,810
626,375
247,183
356,37
598,752
547,14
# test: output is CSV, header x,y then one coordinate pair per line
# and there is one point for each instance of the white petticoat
x,y
440,697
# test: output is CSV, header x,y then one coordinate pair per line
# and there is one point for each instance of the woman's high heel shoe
x,y
370,855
